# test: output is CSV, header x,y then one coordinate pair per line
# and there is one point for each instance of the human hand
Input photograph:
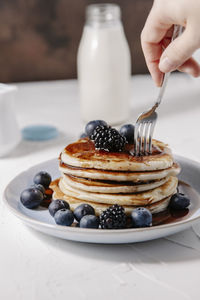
x,y
157,32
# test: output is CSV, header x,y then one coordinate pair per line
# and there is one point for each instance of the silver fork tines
x,y
143,135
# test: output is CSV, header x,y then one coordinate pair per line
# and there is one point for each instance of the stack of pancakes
x,y
102,178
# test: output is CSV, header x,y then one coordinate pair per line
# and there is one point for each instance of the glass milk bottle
x,y
104,66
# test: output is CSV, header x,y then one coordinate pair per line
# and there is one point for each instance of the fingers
x,y
151,39
152,54
156,36
156,74
178,52
190,67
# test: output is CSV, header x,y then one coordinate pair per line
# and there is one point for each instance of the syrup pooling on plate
x,y
48,198
171,216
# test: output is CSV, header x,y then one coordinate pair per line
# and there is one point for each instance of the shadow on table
x,y
157,251
26,147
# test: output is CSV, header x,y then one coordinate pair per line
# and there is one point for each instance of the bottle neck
x,y
103,15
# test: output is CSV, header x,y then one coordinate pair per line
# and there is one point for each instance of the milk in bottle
x,y
104,66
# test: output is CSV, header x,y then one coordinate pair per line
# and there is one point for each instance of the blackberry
x,y
113,218
108,139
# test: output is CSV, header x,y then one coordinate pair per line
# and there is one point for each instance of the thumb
x,y
177,52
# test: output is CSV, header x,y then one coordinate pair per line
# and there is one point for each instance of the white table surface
x,y
35,266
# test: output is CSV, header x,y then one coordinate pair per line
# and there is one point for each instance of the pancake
x,y
101,178
141,199
119,175
82,153
155,207
110,187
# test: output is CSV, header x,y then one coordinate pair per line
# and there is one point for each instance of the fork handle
x,y
177,32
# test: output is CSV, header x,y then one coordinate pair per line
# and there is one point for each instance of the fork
x,y
146,121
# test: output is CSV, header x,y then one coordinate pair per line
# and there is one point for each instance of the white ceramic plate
x,y
41,220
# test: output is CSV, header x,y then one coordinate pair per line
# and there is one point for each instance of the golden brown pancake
x,y
141,199
99,207
139,176
102,178
110,187
82,153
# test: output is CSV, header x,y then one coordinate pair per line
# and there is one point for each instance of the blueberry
x,y
42,178
83,210
89,128
64,217
141,217
89,221
31,198
179,201
39,187
83,135
128,132
56,205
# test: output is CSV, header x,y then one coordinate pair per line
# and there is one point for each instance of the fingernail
x,y
166,65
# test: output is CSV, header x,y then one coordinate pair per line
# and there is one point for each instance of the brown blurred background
x,y
39,38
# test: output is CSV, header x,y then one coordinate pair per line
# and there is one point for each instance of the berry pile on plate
x,y
107,138
112,218
84,214
33,196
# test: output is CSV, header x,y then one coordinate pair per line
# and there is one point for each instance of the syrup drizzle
x,y
86,150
